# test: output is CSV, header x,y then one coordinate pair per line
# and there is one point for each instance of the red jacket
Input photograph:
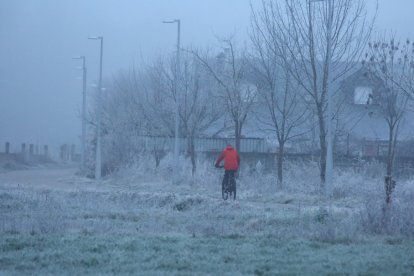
x,y
231,159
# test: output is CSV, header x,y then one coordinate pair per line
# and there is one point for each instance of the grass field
x,y
74,254
55,222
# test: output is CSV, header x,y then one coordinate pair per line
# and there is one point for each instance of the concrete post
x,y
23,154
64,152
72,152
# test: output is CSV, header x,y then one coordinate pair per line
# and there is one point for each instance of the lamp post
x,y
98,115
176,90
83,110
329,152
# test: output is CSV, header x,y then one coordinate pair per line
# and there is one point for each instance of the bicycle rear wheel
x,y
224,192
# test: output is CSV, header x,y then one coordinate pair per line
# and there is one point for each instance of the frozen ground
x,y
137,221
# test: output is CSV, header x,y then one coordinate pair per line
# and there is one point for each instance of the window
x,y
248,93
363,95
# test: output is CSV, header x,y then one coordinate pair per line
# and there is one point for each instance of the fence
x,y
27,153
67,153
257,145
352,153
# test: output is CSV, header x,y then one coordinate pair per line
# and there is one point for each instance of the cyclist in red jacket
x,y
231,162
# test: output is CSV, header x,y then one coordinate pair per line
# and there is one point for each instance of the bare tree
x,y
140,103
299,32
278,91
236,91
389,64
198,106
133,106
121,120
393,62
160,97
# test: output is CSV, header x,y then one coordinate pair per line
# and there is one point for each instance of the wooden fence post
x,y
46,150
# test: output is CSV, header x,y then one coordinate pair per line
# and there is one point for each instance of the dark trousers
x,y
231,175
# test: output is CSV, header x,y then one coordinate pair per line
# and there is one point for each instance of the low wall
x,y
29,153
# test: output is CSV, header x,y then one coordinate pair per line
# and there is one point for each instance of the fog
x,y
309,122
40,87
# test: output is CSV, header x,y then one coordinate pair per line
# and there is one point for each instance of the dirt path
x,y
64,178
52,178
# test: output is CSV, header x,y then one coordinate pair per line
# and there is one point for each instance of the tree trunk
x,y
280,156
193,156
157,160
388,181
157,157
390,154
237,135
322,141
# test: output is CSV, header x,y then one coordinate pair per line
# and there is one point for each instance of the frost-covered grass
x,y
132,254
139,220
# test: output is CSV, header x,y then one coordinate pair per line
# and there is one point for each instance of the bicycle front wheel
x,y
234,189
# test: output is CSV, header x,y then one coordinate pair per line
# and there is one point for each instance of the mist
x,y
277,140
39,84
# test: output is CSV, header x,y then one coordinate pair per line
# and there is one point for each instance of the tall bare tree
x,y
235,90
141,103
198,106
301,31
390,64
278,91
132,107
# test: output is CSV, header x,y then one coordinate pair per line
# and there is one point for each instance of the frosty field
x,y
55,222
135,254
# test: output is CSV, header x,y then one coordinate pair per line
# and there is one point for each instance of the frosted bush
x,y
35,213
371,169
301,177
351,183
335,230
396,219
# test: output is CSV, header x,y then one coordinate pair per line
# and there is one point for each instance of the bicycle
x,y
228,188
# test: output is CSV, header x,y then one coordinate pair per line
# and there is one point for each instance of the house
x,y
359,122
364,128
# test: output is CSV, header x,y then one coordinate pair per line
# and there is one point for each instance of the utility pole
x,y
98,115
177,97
83,162
329,152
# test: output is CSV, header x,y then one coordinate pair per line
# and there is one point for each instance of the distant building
x,y
364,121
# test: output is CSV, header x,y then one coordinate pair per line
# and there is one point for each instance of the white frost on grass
x,y
144,201
138,221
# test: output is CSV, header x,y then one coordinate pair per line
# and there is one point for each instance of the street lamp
x,y
176,79
329,152
83,110
98,115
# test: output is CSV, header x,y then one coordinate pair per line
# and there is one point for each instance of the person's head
x,y
228,143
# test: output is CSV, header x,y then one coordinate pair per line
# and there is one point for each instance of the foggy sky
x,y
40,88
